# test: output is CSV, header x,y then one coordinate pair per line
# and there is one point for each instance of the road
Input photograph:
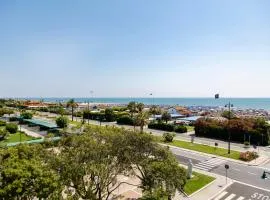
x,y
238,172
238,191
185,136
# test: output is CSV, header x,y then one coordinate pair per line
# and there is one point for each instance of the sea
x,y
240,103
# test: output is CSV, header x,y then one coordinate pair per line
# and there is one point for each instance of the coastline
x,y
239,103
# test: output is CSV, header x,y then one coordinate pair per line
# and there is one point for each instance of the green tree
x,y
109,115
228,114
27,115
140,107
166,117
73,105
142,119
62,122
12,127
155,110
24,174
132,107
156,167
3,134
92,162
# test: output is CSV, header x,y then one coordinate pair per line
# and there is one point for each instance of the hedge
x,y
125,120
93,115
256,129
161,126
180,129
2,123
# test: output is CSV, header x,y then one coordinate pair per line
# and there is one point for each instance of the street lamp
x,y
229,105
91,92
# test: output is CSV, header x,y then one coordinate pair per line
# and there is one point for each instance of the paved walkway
x,y
31,133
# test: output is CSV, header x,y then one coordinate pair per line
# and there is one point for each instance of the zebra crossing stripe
x,y
230,197
240,198
221,195
207,165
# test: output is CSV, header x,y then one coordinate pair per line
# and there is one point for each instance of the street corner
x,y
240,191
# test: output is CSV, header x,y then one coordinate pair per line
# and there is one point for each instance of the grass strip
x,y
197,182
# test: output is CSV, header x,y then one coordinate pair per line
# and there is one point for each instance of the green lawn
x,y
16,138
197,182
206,149
75,122
190,128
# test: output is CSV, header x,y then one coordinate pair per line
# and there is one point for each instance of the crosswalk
x,y
209,164
228,196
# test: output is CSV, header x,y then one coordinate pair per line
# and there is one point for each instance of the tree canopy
x,y
24,174
90,166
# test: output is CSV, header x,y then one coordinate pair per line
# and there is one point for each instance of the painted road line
x,y
252,173
209,164
221,195
238,170
230,197
240,198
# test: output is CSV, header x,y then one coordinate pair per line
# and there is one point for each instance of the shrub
x,y
27,115
93,115
3,133
257,129
109,115
168,137
2,123
12,128
180,129
62,121
246,143
13,119
248,155
78,114
161,126
126,120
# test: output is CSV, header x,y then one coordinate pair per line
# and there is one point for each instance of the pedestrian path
x,y
209,164
228,196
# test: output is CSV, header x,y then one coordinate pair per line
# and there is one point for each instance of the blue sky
x,y
130,48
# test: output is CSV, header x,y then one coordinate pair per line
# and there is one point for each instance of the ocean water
x,y
242,103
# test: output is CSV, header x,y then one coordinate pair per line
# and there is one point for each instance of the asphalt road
x,y
238,191
238,172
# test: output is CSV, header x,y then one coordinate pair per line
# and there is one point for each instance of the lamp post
x,y
91,92
229,105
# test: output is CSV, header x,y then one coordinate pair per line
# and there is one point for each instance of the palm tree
x,y
72,104
140,107
166,117
132,107
142,119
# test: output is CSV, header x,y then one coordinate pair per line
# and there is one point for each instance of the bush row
x,y
125,120
256,129
168,127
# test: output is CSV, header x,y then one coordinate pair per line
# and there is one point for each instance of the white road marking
x,y
251,173
209,164
253,186
240,198
230,197
221,195
236,169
